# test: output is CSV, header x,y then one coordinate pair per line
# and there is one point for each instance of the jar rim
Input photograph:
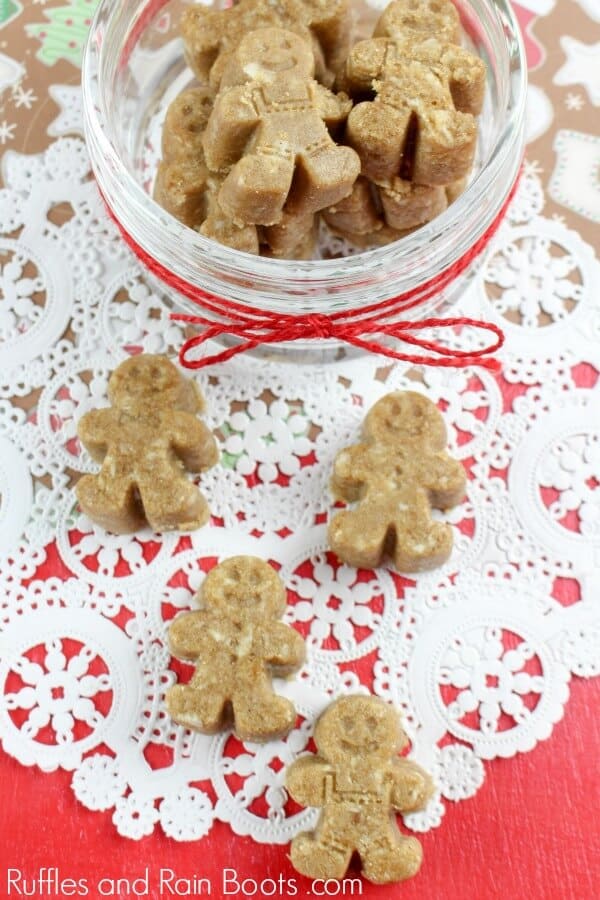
x,y
160,235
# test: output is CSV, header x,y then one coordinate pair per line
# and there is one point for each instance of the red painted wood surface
x,y
531,833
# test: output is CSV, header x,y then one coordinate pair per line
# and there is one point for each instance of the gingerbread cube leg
x,y
445,147
293,232
319,182
385,860
407,205
112,505
424,545
359,538
316,857
256,189
186,510
201,710
378,134
262,715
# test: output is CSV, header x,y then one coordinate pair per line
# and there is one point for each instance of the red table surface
x,y
532,831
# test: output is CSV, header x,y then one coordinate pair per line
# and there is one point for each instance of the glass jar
x,y
133,67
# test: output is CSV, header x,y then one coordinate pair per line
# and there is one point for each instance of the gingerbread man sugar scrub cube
x,y
421,123
210,34
238,644
398,472
358,781
184,186
146,440
271,134
418,19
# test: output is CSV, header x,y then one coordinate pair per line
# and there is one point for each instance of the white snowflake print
x,y
58,693
574,102
334,602
489,678
572,469
110,550
260,777
23,98
7,132
533,280
531,168
273,436
18,311
142,320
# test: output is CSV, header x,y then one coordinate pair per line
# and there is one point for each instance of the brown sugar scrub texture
x,y
358,781
417,93
396,474
263,150
210,35
260,162
184,185
270,134
146,440
238,644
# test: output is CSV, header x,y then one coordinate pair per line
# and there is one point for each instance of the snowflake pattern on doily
x,y
477,655
58,692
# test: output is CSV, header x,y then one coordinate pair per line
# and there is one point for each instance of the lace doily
x,y
478,655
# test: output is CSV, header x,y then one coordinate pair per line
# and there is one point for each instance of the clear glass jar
x,y
133,67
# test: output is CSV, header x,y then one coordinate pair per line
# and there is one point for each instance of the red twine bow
x,y
356,327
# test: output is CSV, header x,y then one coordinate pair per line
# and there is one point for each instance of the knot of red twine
x,y
364,328
319,325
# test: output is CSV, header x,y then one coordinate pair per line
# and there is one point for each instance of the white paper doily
x,y
478,655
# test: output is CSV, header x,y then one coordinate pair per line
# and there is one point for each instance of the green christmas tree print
x,y
8,10
65,33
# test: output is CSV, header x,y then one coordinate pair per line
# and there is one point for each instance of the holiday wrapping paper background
x,y
484,656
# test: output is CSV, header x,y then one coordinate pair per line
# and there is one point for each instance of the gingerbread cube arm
x,y
331,21
306,780
193,442
286,648
202,31
467,77
445,481
187,635
93,430
333,108
364,65
412,787
349,472
230,126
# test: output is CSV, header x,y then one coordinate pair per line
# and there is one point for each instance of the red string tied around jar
x,y
365,328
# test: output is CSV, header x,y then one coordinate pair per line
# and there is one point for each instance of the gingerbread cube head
x,y
406,417
420,19
185,123
268,55
244,586
359,727
152,382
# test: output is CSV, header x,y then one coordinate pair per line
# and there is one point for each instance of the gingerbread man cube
x,y
359,782
397,474
418,19
421,123
238,644
184,187
146,440
271,134
210,34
